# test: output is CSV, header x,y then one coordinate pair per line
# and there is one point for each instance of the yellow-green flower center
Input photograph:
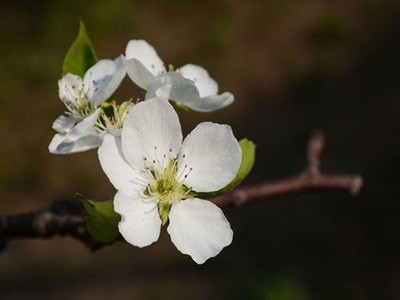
x,y
166,188
81,108
113,115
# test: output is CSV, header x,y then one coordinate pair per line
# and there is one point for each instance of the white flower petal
x,y
79,138
182,89
164,91
202,80
114,131
210,157
85,127
151,134
140,223
64,123
62,144
199,228
140,75
55,142
146,54
121,174
101,80
211,103
69,88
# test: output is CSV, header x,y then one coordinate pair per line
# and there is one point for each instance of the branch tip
x,y
315,147
357,184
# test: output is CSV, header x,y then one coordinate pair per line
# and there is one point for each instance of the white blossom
x,y
79,129
157,176
190,85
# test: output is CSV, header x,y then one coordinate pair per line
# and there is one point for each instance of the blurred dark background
x,y
294,66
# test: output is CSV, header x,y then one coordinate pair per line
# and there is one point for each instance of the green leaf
x,y
81,55
248,158
102,220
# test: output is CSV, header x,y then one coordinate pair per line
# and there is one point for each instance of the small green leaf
x,y
102,220
248,158
81,55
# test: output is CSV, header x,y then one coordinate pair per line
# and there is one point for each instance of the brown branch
x,y
62,218
67,217
311,179
300,183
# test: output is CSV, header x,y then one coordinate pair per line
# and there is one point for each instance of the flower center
x,y
113,115
80,108
166,188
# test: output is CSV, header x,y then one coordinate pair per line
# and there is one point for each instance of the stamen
x,y
160,163
141,180
181,173
188,191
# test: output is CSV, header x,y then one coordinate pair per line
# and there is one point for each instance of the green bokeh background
x,y
293,66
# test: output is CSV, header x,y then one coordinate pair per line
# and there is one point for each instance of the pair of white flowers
x,y
157,174
85,123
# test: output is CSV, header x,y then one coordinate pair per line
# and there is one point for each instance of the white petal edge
x,y
64,124
146,54
62,144
199,228
140,223
211,103
123,177
202,80
210,157
101,80
151,134
55,142
140,75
